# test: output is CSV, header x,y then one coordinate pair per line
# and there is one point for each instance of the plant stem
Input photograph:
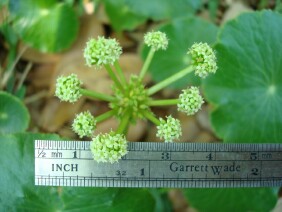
x,y
120,72
36,97
26,71
147,63
105,116
163,102
151,117
96,95
114,77
169,80
122,128
9,72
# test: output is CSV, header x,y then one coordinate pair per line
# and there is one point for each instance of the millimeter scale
x,y
160,165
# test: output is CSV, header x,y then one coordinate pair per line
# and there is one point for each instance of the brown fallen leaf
x,y
190,128
41,75
135,132
55,114
35,56
278,206
205,137
235,9
178,200
203,119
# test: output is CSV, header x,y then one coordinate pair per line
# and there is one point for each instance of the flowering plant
x,y
131,99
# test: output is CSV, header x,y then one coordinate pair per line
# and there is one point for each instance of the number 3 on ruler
x,y
165,156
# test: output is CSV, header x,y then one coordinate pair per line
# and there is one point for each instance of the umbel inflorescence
x,y
131,100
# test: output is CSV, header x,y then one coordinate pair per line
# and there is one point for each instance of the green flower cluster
x,y
203,59
190,101
169,129
156,40
68,88
131,100
101,51
84,124
108,147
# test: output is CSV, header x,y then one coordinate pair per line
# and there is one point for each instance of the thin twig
x,y
36,97
25,73
9,72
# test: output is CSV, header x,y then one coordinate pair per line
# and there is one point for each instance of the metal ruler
x,y
171,165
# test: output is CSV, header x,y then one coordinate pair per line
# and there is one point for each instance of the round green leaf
x,y
14,116
247,88
17,173
45,25
18,192
231,199
164,9
128,14
182,34
121,16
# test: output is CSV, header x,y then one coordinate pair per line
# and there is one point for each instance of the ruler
x,y
155,165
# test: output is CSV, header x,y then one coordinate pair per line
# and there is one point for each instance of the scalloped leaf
x,y
18,192
121,16
14,116
231,199
48,26
128,14
247,88
182,34
164,9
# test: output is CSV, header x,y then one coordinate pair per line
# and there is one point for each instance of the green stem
x,y
120,72
9,72
23,77
96,95
105,116
147,63
113,76
163,102
169,80
151,117
122,128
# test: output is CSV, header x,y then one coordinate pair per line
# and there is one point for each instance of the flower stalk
x,y
163,102
113,77
170,80
123,125
120,73
96,95
151,117
147,63
105,116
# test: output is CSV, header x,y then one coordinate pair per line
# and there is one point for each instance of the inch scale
x,y
153,165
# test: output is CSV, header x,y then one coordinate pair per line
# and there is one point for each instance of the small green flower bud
x,y
101,51
67,88
169,129
190,101
156,40
84,124
203,59
108,147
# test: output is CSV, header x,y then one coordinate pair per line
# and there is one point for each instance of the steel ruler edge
x,y
165,165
